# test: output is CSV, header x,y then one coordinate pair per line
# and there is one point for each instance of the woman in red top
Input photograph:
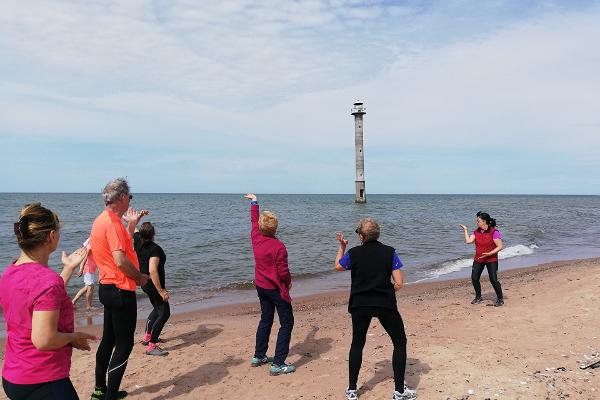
x,y
273,283
488,243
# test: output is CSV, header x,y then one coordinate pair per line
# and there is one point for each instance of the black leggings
x,y
159,315
393,325
60,389
120,315
492,268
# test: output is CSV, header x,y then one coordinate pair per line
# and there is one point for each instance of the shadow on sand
x,y
384,372
311,348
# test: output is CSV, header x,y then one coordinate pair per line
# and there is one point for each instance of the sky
x,y
255,96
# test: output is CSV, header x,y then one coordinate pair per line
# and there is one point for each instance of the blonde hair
x,y
34,226
369,229
267,223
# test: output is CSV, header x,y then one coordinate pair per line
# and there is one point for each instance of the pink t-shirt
x,y
90,266
23,289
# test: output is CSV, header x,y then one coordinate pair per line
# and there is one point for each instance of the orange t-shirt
x,y
108,235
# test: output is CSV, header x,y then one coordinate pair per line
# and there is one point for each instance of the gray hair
x,y
115,190
369,229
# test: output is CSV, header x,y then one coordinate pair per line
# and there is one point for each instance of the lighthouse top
x,y
358,108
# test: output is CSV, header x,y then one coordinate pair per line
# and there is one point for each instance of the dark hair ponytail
x,y
488,220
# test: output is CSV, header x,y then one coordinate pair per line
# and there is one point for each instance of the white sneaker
x,y
408,394
351,394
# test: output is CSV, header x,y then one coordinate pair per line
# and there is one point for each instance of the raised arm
x,y
341,250
70,262
468,239
254,212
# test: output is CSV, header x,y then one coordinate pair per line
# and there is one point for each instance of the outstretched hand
x,y
463,226
74,259
340,238
250,196
132,215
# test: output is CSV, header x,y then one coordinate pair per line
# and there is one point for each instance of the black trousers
x,y
120,315
270,300
60,389
160,313
492,269
391,321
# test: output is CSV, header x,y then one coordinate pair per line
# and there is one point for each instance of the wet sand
x,y
529,349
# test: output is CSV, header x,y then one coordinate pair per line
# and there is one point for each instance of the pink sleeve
x,y
497,235
281,263
50,298
254,213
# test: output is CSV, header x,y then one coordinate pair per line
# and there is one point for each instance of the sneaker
x,y
351,394
100,393
257,362
476,300
154,350
408,394
146,339
499,303
281,369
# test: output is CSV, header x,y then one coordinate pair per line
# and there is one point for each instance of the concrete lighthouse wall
x,y
358,111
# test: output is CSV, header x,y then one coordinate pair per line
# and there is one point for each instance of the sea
x,y
209,256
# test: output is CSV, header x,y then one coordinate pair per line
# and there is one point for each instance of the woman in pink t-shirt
x,y
39,313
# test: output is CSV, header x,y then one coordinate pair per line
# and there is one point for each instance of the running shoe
x,y
100,393
154,350
257,362
499,303
281,369
146,339
351,394
476,300
409,394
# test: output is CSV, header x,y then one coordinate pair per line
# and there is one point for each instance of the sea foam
x,y
456,265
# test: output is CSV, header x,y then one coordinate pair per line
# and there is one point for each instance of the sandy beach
x,y
529,349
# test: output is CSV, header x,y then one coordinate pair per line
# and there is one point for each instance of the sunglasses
x,y
356,230
130,196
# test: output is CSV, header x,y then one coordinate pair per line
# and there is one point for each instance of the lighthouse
x,y
358,111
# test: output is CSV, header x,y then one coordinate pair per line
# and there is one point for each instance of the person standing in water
x,y
488,243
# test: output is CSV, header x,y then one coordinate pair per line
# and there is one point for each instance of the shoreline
x,y
246,299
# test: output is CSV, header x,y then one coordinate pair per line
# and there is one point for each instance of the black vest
x,y
371,270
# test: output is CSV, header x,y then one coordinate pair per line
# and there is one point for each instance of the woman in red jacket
x,y
273,283
488,243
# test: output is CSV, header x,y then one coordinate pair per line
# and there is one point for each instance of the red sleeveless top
x,y
484,243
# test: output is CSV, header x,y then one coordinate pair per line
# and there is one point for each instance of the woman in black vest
x,y
372,294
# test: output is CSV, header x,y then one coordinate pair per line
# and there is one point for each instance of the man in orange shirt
x,y
118,265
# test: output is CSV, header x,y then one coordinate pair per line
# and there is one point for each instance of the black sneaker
x,y
499,303
477,300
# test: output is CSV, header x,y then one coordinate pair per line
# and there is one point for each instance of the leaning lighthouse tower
x,y
358,111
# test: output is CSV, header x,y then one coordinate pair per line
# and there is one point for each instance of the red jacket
x,y
270,260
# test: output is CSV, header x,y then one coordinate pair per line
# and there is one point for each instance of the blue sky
x,y
237,96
